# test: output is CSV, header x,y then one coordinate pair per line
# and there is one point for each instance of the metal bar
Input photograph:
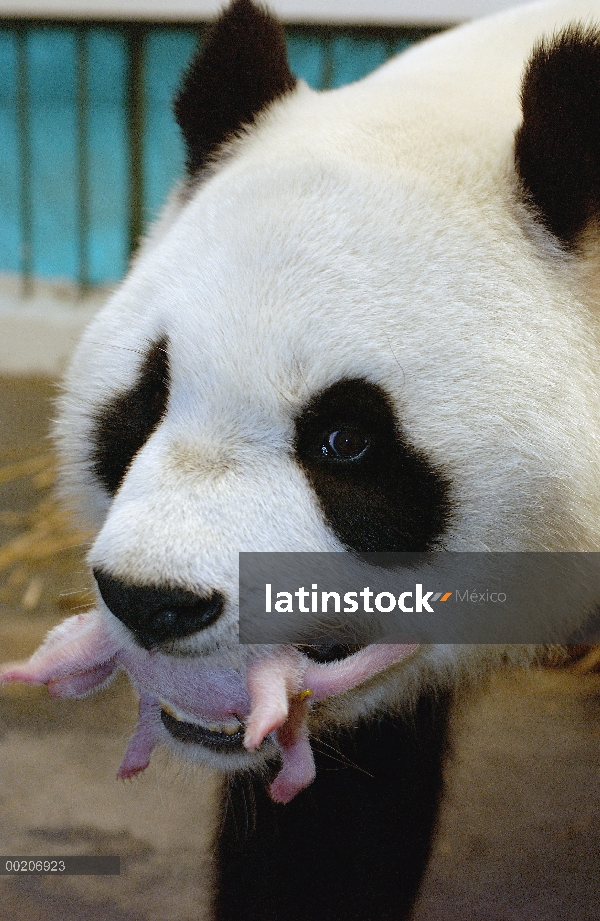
x,y
395,32
83,196
24,147
310,13
327,75
135,37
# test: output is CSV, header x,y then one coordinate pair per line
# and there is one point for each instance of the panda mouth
x,y
229,736
221,737
211,705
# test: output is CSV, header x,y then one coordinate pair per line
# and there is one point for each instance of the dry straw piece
x,y
44,531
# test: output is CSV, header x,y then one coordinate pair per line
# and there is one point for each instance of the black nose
x,y
156,615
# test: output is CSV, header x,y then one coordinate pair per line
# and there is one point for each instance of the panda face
x,y
351,330
261,408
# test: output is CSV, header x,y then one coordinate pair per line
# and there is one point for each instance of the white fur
x,y
371,231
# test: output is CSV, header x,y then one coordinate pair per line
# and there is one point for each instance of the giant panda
x,y
366,321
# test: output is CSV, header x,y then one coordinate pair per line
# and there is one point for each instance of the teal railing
x,y
88,145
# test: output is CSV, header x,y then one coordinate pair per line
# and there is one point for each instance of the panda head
x,y
364,322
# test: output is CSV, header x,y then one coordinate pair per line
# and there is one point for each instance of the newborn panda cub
x,y
367,320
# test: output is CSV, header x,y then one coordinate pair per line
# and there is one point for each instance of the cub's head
x,y
364,322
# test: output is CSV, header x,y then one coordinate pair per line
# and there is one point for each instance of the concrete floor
x,y
519,838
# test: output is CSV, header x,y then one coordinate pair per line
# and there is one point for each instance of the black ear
x,y
241,69
557,148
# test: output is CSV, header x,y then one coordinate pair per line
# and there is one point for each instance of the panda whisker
x,y
319,744
391,348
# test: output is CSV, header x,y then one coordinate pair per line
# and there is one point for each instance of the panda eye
x,y
377,492
345,444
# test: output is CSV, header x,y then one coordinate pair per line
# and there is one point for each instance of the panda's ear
x,y
557,147
241,69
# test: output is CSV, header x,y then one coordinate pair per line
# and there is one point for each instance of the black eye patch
x,y
123,425
377,492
